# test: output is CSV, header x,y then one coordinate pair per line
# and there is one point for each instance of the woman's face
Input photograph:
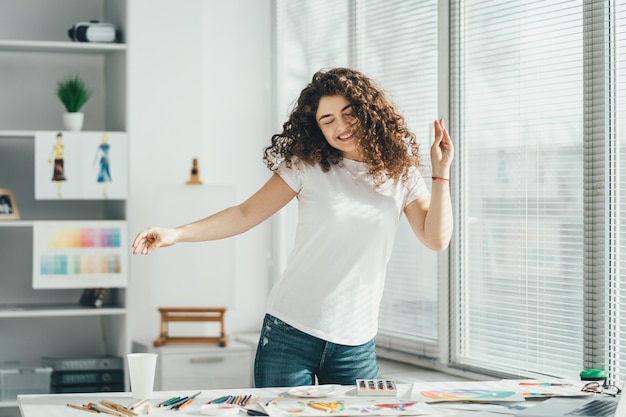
x,y
336,121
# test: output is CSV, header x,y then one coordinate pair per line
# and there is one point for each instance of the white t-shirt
x,y
334,279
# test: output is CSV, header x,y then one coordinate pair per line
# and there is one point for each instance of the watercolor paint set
x,y
376,387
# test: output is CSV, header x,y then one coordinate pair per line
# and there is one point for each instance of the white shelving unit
x,y
36,53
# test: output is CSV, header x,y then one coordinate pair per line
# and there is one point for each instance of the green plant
x,y
73,93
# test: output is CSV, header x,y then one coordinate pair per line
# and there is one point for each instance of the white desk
x,y
55,405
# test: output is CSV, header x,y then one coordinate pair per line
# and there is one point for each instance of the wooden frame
x,y
191,314
8,205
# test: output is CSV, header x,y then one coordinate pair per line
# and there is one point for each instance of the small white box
x,y
17,379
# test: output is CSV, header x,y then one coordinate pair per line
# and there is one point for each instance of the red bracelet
x,y
440,178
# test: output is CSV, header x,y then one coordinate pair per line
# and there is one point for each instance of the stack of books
x,y
79,375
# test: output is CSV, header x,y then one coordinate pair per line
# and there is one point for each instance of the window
x,y
616,329
520,99
537,94
536,88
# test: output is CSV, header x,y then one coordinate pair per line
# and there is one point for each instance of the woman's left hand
x,y
442,151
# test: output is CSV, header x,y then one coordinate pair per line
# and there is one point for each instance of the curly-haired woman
x,y
352,163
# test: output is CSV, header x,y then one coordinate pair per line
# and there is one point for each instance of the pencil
x,y
106,410
218,400
187,402
138,404
81,407
177,402
167,402
118,407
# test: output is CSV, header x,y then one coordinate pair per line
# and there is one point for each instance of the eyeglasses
x,y
598,388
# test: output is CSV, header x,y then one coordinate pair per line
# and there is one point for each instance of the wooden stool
x,y
191,314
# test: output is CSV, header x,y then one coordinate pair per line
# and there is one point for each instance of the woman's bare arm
x,y
269,199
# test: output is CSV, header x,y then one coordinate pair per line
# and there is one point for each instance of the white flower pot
x,y
73,121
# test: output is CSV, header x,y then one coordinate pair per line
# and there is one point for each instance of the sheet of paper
x,y
358,406
476,391
532,389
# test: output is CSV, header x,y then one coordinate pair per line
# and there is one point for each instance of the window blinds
x,y
518,86
398,46
617,324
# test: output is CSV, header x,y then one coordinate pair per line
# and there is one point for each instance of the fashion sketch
x,y
56,157
104,172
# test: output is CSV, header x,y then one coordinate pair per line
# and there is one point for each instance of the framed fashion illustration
x,y
81,165
8,205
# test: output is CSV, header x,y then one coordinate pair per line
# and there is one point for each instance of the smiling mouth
x,y
345,136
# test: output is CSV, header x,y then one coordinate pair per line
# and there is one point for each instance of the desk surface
x,y
55,405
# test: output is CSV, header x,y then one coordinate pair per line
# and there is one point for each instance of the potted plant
x,y
73,93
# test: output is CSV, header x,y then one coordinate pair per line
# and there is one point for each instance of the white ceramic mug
x,y
141,367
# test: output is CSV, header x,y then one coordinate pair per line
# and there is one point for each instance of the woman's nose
x,y
345,122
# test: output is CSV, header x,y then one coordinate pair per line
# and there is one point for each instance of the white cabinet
x,y
36,53
200,366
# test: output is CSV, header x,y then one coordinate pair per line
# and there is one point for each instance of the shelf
x,y
6,134
30,134
8,404
60,47
57,310
16,223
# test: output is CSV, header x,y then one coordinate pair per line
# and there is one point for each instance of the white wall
x,y
199,87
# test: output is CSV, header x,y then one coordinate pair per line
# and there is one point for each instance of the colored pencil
x,y
186,402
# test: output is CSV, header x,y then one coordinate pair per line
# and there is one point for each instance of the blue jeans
x,y
287,357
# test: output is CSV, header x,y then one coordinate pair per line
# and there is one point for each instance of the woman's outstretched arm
x,y
269,199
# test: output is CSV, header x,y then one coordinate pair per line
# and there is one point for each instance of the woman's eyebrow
x,y
329,115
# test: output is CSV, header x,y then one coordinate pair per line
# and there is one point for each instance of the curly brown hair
x,y
386,143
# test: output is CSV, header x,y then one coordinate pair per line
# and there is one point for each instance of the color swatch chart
x,y
85,238
80,254
80,264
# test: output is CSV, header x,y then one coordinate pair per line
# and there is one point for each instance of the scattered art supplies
x,y
289,406
231,405
114,409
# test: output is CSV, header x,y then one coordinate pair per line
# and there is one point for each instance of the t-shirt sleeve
x,y
293,176
416,187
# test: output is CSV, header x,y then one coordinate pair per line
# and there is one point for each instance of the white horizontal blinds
x,y
618,25
313,35
397,45
521,114
596,142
